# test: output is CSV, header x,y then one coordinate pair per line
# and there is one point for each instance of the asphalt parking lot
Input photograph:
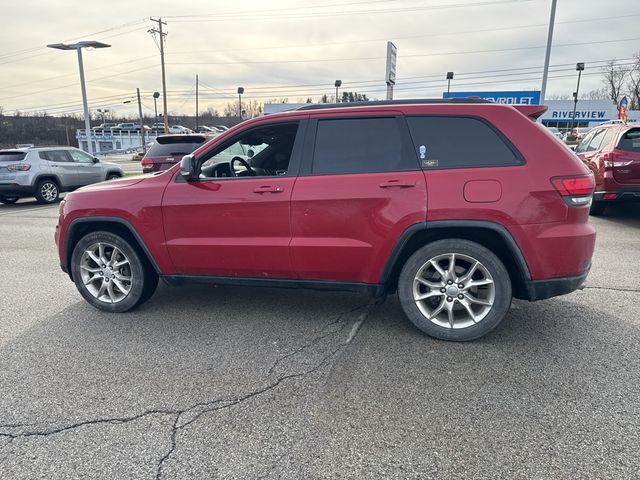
x,y
220,382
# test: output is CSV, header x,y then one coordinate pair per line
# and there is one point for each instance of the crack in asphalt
x,y
595,287
174,432
212,405
317,339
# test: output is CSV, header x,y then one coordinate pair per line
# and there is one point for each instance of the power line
x,y
435,54
250,16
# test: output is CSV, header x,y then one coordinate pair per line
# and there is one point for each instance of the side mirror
x,y
188,168
96,160
250,153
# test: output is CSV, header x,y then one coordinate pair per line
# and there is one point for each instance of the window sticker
x,y
429,163
423,152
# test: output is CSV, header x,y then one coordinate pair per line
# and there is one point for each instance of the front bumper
x,y
541,289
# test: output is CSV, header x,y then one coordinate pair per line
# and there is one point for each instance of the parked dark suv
x,y
612,152
168,150
457,205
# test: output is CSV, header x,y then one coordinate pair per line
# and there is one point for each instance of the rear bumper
x,y
15,189
541,289
624,194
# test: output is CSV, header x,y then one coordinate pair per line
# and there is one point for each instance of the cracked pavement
x,y
222,382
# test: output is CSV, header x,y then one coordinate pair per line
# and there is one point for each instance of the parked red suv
x,y
457,205
612,152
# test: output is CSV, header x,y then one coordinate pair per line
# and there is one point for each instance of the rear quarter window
x,y
12,156
630,141
459,142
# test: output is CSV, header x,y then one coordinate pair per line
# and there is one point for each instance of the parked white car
x,y
179,129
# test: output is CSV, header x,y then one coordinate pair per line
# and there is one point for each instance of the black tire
x,y
45,186
113,176
499,275
9,199
597,208
144,279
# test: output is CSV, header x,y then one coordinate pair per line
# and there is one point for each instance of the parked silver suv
x,y
44,172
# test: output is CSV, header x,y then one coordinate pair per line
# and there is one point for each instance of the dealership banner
x,y
525,97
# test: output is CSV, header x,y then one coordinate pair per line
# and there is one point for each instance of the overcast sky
x,y
294,49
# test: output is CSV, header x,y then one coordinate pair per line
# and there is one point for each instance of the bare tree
x,y
633,85
596,94
614,77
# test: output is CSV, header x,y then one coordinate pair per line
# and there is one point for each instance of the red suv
x,y
612,152
457,205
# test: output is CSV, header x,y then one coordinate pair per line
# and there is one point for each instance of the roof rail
x,y
374,103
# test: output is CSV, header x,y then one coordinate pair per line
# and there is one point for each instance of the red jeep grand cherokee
x,y
457,205
612,152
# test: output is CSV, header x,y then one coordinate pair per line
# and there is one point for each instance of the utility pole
x,y
196,102
142,135
161,35
547,55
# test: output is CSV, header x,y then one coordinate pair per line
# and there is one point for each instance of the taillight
x,y
575,191
146,161
19,167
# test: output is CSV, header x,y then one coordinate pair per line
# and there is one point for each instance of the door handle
x,y
268,189
397,184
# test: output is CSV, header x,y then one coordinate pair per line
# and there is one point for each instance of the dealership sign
x,y
595,111
530,97
580,114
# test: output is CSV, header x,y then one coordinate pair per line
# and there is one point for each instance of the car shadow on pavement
x,y
623,213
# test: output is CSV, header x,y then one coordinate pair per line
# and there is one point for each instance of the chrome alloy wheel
x,y
106,272
49,191
454,290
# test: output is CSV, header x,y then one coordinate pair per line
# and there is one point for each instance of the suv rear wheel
x,y
47,191
455,290
110,274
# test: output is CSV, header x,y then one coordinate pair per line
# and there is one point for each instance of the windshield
x,y
12,156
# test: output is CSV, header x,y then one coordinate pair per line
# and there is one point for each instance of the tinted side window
x,y
80,157
596,141
630,141
359,145
55,156
459,142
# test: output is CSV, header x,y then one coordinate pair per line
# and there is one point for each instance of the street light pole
x,y
156,95
85,106
579,68
449,78
240,92
338,84
547,55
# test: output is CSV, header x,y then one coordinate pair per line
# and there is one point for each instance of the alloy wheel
x,y
453,290
106,272
49,191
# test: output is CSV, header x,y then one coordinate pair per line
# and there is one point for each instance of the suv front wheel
x,y
455,290
110,274
47,191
